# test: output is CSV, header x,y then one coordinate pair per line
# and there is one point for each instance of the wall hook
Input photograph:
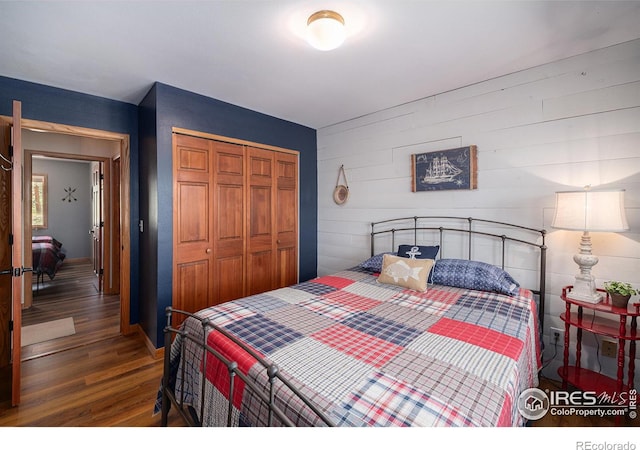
x,y
341,192
7,169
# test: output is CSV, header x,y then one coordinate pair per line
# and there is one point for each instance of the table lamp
x,y
589,210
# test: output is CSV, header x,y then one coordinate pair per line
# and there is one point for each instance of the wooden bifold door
x,y
235,220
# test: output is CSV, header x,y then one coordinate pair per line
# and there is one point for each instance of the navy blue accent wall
x,y
61,106
178,108
149,311
149,128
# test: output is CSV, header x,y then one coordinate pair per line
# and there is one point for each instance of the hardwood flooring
x,y
98,378
72,294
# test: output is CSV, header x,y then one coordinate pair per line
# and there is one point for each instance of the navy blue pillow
x,y
418,251
374,264
474,275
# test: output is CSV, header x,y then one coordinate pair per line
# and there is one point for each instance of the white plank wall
x,y
560,126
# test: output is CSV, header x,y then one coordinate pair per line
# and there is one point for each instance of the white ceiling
x,y
251,52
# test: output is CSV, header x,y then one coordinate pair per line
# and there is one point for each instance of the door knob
x,y
208,250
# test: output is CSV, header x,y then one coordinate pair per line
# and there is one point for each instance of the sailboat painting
x,y
455,168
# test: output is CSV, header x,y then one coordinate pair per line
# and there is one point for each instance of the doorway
x,y
70,246
13,314
90,143
79,212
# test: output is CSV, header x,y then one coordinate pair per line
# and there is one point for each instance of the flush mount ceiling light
x,y
325,30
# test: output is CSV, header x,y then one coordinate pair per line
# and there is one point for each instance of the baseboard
x,y
156,353
77,260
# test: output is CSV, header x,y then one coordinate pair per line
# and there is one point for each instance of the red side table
x,y
588,380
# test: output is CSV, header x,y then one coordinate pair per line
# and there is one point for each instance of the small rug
x,y
40,332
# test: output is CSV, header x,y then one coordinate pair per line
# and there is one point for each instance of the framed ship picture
x,y
455,168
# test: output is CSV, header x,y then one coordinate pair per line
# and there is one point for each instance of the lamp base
x,y
584,290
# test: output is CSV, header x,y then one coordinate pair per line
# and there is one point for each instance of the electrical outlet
x,y
609,348
557,332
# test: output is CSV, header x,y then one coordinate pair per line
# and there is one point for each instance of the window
x,y
38,201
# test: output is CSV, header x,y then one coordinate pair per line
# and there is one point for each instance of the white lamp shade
x,y
590,211
325,30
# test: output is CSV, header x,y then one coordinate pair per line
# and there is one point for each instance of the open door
x,y
97,229
6,272
17,249
11,248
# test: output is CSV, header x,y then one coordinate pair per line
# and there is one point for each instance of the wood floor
x,y
94,378
98,378
72,294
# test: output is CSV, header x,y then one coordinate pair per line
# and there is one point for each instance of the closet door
x,y
229,225
261,236
286,223
193,218
235,221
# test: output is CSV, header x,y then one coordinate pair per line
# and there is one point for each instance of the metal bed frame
x,y
273,374
465,226
390,227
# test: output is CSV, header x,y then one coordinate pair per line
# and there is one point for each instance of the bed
x,y
48,256
414,335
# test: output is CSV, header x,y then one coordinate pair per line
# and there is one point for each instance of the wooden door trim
x,y
217,137
38,125
125,237
28,232
125,201
16,250
114,214
27,295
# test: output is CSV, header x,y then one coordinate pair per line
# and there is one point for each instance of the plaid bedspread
x,y
47,258
370,354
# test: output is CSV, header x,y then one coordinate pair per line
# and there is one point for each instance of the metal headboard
x,y
465,226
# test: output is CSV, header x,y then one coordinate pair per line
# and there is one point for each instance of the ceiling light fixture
x,y
325,30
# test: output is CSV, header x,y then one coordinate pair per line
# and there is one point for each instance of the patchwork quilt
x,y
368,354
